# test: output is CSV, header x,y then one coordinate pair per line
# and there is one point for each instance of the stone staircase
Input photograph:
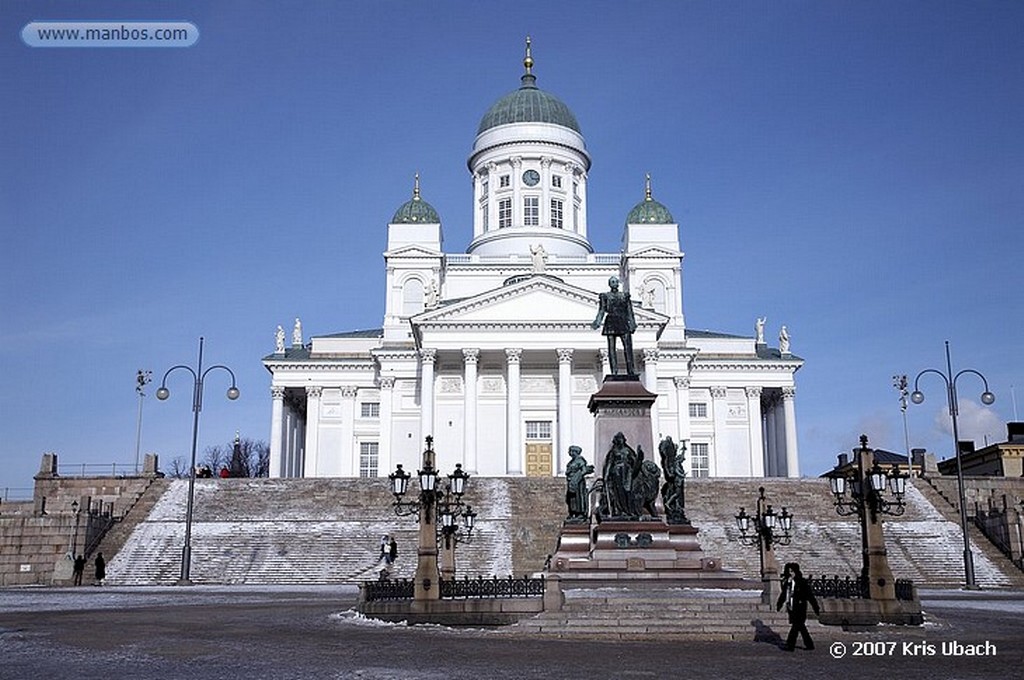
x,y
684,614
284,531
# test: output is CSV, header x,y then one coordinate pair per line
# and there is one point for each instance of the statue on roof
x,y
784,341
539,257
297,333
759,329
279,340
615,309
433,297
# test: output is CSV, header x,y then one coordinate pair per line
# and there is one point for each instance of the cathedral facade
x,y
492,351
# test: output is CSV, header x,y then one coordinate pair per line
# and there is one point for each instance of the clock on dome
x,y
531,177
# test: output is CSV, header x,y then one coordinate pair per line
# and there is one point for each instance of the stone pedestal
x,y
623,405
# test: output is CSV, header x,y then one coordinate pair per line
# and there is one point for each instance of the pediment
x,y
412,251
655,251
539,300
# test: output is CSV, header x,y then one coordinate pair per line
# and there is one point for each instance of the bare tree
x,y
179,468
244,457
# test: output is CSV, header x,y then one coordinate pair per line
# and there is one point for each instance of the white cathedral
x,y
492,352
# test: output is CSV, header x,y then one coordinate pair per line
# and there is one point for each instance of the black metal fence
x,y
856,588
481,587
467,588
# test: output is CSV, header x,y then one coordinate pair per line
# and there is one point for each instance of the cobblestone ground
x,y
209,633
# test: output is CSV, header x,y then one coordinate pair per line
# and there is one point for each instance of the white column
x,y
349,460
770,444
789,414
387,393
514,443
564,439
754,428
682,385
606,362
427,358
277,432
470,358
545,192
780,439
517,192
312,461
721,412
651,383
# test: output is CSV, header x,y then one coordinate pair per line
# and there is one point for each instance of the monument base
x,y
638,554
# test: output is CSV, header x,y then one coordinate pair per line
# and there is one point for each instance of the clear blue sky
x,y
850,169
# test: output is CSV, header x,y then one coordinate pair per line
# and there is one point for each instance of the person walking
x,y
796,595
101,569
79,570
385,542
392,551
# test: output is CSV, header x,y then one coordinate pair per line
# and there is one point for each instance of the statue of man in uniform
x,y
615,309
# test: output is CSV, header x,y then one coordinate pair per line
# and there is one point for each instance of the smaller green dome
x,y
416,210
649,211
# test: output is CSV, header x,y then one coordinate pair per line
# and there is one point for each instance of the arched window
x,y
412,297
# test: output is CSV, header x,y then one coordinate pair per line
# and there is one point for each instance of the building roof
x,y
528,104
416,210
649,211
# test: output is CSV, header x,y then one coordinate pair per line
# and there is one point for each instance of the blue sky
x,y
850,169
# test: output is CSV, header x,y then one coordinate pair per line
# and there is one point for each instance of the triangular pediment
x,y
655,251
539,299
412,251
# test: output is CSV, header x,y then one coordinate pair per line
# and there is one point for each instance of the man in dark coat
x,y
79,570
615,309
101,569
796,595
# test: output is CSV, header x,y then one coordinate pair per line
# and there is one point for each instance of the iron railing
x,y
388,589
495,587
856,587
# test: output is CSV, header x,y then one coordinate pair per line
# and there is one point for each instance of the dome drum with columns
x,y
491,351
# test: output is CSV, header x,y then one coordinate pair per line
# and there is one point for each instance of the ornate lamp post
x,y
142,378
867,485
431,505
74,530
987,398
198,376
769,529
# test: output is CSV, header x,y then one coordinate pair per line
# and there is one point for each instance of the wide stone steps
x,y
282,531
673,613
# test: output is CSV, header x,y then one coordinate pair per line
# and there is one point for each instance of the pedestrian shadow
x,y
764,633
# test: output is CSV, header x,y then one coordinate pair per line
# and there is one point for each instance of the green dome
x,y
528,104
649,211
416,210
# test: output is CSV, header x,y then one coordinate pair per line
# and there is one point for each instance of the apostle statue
x,y
759,329
279,340
539,257
615,309
784,341
297,333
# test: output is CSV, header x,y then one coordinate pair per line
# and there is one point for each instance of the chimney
x,y
1015,433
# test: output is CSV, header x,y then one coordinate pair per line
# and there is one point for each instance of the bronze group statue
x,y
615,309
630,482
576,472
673,490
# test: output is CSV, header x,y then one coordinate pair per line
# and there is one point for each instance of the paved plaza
x,y
215,632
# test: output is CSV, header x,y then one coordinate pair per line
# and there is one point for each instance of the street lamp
x,y
431,504
987,398
198,376
74,531
867,485
142,378
769,529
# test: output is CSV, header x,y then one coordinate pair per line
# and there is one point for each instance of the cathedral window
x,y
575,188
485,216
412,297
538,429
531,211
576,217
504,213
556,181
699,460
484,185
504,181
368,452
556,213
698,410
369,409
